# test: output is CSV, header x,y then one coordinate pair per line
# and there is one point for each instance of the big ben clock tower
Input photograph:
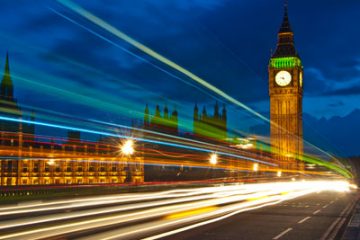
x,y
285,90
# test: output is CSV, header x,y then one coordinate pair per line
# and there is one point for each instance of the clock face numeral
x,y
283,78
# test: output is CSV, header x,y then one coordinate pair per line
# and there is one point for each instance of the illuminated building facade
x,y
205,126
166,122
10,108
210,126
26,161
286,90
170,163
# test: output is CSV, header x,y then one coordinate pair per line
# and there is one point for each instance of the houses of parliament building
x,y
26,160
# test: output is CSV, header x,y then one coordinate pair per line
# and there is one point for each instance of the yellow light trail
x,y
201,204
190,212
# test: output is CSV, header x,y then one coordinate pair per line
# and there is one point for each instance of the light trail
x,y
52,125
121,35
173,209
216,215
126,50
196,159
121,198
101,23
176,198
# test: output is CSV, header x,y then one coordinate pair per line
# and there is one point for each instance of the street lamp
x,y
127,149
256,167
213,159
51,162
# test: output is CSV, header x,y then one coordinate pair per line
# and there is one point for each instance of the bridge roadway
x,y
312,217
292,210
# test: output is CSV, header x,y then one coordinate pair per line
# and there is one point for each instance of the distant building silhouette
x,y
210,126
165,162
204,125
165,123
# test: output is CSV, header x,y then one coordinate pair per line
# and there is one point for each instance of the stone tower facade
x,y
286,91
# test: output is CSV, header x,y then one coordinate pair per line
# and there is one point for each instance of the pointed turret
x,y
285,26
157,111
204,113
285,46
166,113
175,114
7,89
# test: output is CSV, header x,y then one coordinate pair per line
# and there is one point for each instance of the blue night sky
x,y
61,66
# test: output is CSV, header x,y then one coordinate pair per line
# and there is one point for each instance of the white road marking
x,y
303,220
334,227
317,211
325,206
282,233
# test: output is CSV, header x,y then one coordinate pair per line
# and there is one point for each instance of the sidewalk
x,y
352,230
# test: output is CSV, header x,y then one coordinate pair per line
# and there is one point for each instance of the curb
x,y
352,230
336,230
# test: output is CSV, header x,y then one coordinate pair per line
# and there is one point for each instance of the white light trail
x,y
108,27
159,211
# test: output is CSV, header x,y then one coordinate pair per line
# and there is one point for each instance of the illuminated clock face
x,y
283,78
301,79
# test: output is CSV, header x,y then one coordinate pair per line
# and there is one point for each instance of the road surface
x,y
281,210
310,217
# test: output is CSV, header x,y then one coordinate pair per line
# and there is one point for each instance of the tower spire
x,y
285,46
285,26
7,89
7,68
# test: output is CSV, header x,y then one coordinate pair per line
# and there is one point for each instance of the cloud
x,y
353,90
225,42
317,84
336,104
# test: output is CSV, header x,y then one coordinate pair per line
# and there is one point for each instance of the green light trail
x,y
101,23
288,62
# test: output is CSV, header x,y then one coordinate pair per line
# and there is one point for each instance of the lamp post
x,y
213,161
127,149
51,162
256,167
